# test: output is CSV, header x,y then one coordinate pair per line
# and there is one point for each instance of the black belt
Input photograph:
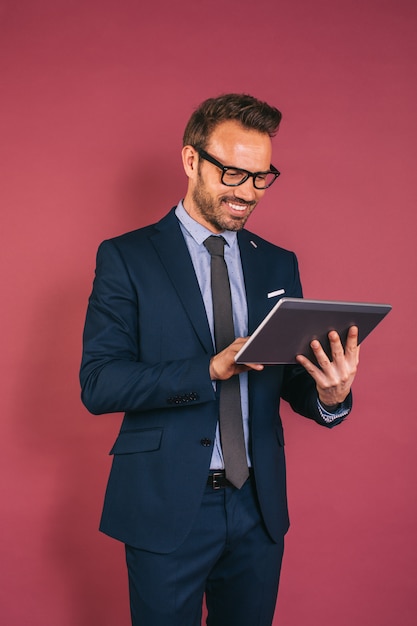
x,y
217,479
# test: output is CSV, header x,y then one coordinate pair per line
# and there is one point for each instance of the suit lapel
x,y
173,253
255,268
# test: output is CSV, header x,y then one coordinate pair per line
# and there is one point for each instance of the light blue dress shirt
x,y
194,235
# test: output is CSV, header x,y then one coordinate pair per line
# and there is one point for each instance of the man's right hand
x,y
223,365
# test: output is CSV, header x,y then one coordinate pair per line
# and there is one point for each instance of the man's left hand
x,y
334,377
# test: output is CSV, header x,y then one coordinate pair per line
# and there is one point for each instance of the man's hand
x,y
223,366
334,377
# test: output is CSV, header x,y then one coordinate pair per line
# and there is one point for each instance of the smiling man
x,y
206,200
197,489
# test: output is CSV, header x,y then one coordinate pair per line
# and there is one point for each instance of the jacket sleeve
x,y
114,376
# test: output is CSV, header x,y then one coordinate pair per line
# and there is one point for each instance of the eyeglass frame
x,y
208,157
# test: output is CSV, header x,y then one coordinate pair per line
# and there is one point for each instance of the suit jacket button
x,y
205,442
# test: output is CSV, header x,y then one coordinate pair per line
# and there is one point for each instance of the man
x,y
189,525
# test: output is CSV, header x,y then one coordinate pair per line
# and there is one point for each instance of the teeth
x,y
237,207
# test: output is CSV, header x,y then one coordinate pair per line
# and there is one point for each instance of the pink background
x,y
94,98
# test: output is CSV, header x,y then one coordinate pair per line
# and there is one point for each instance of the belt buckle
x,y
216,478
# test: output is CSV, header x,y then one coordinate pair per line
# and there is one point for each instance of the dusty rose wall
x,y
94,99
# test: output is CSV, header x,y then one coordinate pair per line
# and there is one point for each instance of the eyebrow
x,y
215,161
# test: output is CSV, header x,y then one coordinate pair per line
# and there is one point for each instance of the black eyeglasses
x,y
234,176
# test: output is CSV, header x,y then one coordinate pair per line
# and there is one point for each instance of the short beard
x,y
213,215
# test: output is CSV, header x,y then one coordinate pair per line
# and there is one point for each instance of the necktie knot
x,y
215,245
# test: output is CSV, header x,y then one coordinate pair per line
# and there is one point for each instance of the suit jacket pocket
x,y
145,440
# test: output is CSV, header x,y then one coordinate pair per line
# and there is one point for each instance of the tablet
x,y
293,323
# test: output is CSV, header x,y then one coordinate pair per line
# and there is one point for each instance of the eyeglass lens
x,y
237,177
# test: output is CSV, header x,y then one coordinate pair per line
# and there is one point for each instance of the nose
x,y
247,191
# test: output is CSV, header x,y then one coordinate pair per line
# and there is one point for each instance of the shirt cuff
x,y
328,417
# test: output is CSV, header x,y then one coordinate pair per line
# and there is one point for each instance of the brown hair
x,y
243,108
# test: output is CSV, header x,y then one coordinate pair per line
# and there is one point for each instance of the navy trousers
x,y
228,556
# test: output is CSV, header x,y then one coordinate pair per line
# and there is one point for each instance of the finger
x,y
352,338
306,363
320,355
315,372
239,342
255,366
351,347
336,346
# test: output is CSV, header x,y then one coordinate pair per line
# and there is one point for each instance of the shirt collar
x,y
199,232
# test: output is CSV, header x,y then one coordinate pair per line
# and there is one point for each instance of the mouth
x,y
238,206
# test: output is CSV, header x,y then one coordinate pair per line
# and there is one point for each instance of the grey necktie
x,y
230,411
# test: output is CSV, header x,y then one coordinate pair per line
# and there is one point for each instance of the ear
x,y
190,161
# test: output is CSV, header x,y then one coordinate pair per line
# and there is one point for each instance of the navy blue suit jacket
x,y
147,348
